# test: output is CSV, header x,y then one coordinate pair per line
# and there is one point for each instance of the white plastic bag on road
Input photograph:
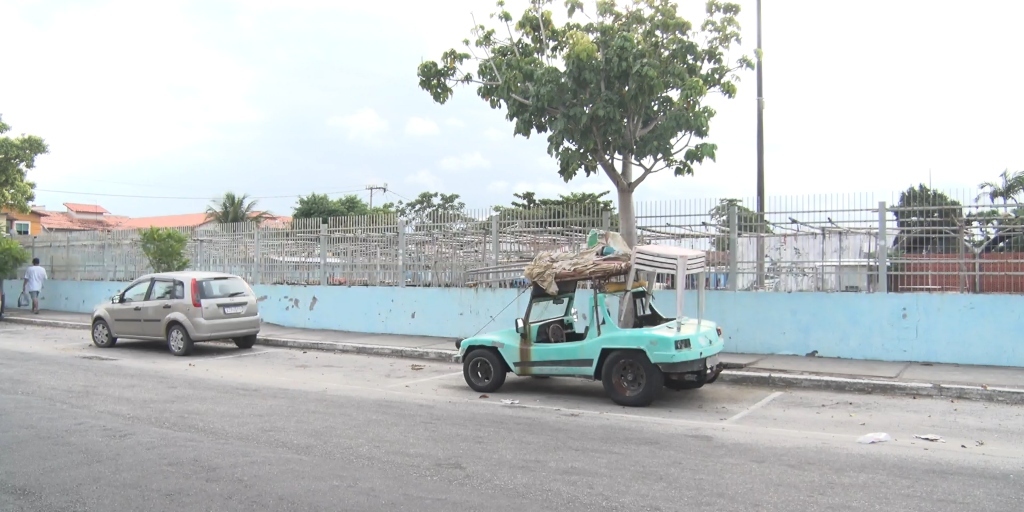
x,y
877,437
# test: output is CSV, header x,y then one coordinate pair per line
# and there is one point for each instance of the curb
x,y
879,387
272,341
730,375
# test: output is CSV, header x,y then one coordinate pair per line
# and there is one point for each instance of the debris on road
x,y
876,437
510,402
418,366
485,396
930,437
979,443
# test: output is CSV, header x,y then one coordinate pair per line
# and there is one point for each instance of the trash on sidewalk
x,y
930,437
510,402
876,437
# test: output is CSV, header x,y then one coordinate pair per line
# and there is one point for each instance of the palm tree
x,y
1012,184
234,208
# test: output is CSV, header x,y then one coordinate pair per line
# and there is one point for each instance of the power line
x,y
193,198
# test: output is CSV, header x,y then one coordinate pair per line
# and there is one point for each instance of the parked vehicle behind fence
x,y
181,308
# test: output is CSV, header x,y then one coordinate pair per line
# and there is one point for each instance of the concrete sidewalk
x,y
900,378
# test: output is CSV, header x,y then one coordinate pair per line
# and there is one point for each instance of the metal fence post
x,y
883,249
401,253
323,254
256,255
606,220
734,242
495,240
106,243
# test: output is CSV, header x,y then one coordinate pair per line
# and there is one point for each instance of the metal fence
x,y
913,241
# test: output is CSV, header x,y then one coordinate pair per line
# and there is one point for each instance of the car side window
x,y
136,293
162,290
179,290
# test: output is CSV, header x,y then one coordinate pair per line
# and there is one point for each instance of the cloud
x,y
364,125
425,179
498,186
464,162
419,127
455,123
494,134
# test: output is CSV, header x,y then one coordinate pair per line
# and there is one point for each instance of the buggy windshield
x,y
543,310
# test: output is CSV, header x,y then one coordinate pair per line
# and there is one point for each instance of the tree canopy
x,y
928,221
1006,189
12,257
233,208
165,249
747,221
321,206
17,157
432,207
623,88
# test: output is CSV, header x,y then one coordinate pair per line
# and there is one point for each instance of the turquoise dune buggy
x,y
635,353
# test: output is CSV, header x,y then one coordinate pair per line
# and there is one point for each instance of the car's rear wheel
x,y
245,341
102,336
178,340
483,370
630,379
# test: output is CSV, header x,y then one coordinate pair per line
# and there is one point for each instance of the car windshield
x,y
222,288
547,309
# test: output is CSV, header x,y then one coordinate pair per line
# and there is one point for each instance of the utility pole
x,y
760,158
371,188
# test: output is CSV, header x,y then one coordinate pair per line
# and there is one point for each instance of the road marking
x,y
253,353
754,407
423,380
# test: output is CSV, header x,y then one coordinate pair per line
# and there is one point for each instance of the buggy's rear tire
x,y
483,370
630,379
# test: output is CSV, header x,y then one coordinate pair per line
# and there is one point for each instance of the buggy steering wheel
x,y
556,334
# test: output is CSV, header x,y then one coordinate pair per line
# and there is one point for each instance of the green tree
x,y
165,249
583,210
17,157
1007,189
234,208
928,221
432,207
321,206
12,257
747,222
621,93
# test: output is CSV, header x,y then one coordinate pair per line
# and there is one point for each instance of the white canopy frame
x,y
665,259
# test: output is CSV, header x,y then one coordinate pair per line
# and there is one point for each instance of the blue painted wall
x,y
937,328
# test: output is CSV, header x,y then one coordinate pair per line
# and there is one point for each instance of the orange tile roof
x,y
85,208
64,221
185,220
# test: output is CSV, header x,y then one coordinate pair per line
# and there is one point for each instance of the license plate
x,y
231,310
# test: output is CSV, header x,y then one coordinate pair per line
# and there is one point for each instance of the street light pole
x,y
762,222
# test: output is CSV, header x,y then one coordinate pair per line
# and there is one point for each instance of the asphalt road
x,y
134,428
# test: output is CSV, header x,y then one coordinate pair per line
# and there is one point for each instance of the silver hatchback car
x,y
181,308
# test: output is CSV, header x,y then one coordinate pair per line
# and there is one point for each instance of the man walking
x,y
34,277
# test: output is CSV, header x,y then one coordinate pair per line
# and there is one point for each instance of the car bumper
x,y
205,330
712,364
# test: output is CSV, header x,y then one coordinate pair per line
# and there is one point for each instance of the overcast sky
x,y
277,98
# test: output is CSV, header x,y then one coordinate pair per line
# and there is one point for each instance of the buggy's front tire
x,y
484,370
630,379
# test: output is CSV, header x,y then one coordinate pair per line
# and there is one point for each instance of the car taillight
x,y
719,331
195,294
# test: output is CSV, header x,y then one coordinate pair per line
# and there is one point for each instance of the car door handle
x,y
138,308
167,306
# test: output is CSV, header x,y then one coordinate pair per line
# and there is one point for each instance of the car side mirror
x,y
520,326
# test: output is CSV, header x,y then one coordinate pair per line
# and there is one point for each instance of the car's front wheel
x,y
483,370
178,340
630,379
245,341
102,336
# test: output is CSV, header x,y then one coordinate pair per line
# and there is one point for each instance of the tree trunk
x,y
627,218
627,215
